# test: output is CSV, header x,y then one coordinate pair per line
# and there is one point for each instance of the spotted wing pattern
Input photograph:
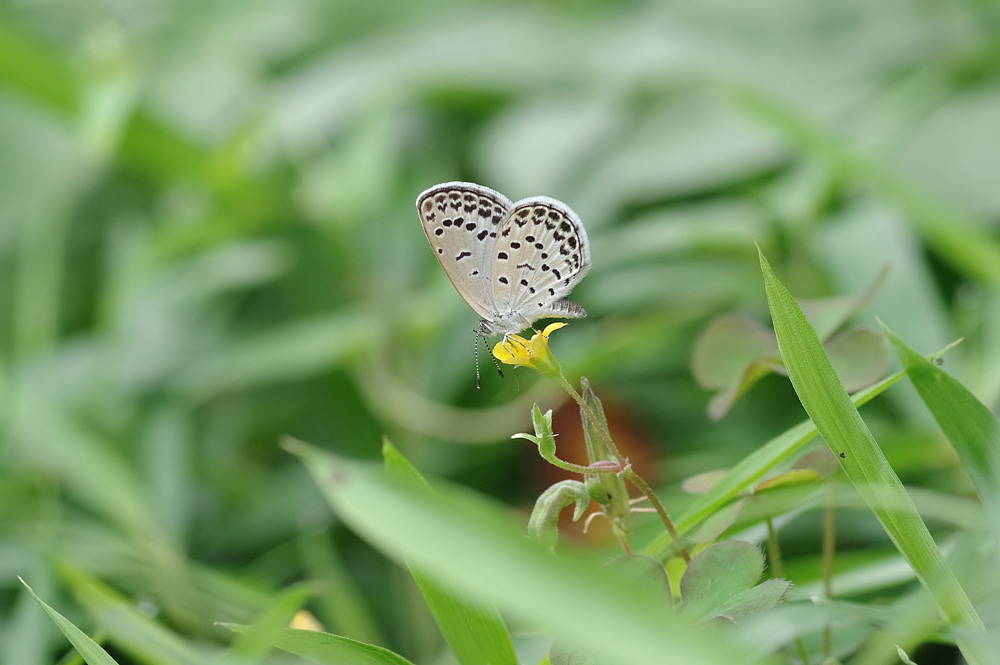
x,y
541,253
462,221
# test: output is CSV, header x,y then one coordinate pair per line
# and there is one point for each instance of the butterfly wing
x,y
541,253
462,221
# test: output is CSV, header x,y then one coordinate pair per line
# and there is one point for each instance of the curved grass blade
x,y
464,540
972,429
475,631
839,423
326,648
92,652
752,467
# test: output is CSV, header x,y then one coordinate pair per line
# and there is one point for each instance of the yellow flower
x,y
533,353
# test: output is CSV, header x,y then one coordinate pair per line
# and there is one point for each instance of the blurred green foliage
x,y
208,241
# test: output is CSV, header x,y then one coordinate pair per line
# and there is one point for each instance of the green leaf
x,y
761,598
397,466
840,424
828,315
734,351
754,370
544,521
718,573
475,631
543,436
860,357
968,424
460,538
326,648
732,354
644,570
91,651
725,348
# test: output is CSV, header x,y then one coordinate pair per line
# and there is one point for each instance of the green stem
x,y
605,435
579,468
647,491
627,471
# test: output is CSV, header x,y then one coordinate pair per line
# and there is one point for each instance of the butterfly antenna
x,y
475,350
481,336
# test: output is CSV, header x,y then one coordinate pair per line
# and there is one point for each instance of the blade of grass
x,y
968,424
475,631
326,648
753,467
132,631
840,424
91,651
460,538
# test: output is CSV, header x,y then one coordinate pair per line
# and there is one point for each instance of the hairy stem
x,y
627,471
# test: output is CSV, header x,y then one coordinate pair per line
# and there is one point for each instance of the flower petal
x,y
552,327
533,353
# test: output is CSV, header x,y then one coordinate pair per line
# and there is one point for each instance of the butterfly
x,y
514,263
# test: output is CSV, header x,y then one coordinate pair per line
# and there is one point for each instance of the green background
x,y
208,242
